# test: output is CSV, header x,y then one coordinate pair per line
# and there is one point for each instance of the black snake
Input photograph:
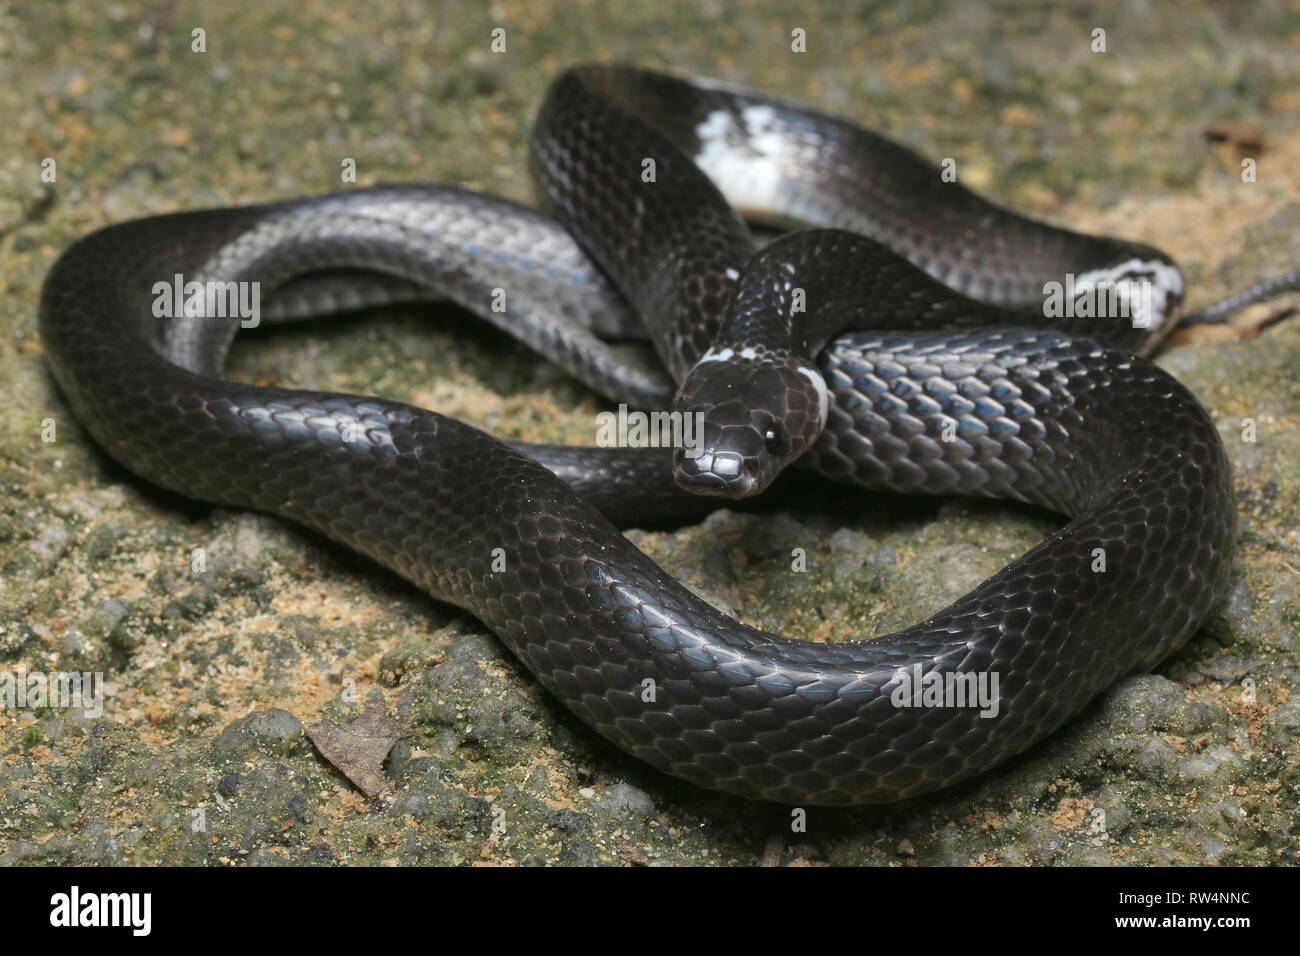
x,y
949,382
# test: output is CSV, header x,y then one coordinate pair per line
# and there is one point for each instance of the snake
x,y
896,336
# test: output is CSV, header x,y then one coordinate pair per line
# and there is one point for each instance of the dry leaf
x,y
359,749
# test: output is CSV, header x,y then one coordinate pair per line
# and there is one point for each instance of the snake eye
x,y
774,441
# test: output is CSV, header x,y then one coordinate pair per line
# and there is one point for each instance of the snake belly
x,y
1043,416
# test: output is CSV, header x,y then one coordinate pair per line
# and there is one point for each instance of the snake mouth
x,y
721,474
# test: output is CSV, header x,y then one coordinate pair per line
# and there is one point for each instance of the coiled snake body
x,y
931,391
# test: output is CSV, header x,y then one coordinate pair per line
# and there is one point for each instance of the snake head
x,y
743,420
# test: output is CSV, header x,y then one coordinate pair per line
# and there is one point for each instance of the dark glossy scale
x,y
1041,416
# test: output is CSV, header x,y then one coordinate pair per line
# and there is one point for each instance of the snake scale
x,y
923,363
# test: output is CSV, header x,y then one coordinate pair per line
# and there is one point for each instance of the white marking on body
x,y
733,274
716,355
1129,279
748,352
744,159
823,396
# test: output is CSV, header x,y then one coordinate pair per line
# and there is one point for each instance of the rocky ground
x,y
202,753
